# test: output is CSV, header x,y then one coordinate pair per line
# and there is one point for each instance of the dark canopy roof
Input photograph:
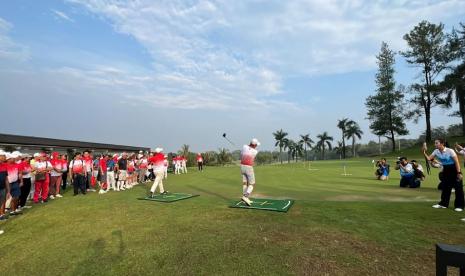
x,y
10,139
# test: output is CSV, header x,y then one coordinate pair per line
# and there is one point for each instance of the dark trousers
x,y
450,182
446,192
87,179
200,164
25,190
406,181
79,183
65,180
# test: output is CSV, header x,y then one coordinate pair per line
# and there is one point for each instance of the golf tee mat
x,y
170,197
277,205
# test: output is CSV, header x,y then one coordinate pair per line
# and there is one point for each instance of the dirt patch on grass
x,y
323,252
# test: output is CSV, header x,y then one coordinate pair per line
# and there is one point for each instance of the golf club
x,y
224,136
428,168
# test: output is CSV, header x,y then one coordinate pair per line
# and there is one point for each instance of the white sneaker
x,y
458,209
437,206
246,200
123,189
1,232
463,219
59,195
117,190
52,197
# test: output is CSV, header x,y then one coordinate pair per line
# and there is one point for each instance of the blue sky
x,y
167,73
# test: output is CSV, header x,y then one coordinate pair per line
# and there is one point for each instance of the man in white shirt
x,y
248,155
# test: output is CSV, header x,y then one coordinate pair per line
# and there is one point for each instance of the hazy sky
x,y
167,73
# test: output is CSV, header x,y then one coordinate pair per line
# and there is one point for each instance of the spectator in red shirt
x,y
4,184
16,181
56,175
103,174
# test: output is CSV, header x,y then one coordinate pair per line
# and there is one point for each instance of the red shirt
x,y
158,161
103,165
13,172
77,166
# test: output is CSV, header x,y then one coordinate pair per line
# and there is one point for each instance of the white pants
x,y
158,181
177,169
166,173
111,181
184,168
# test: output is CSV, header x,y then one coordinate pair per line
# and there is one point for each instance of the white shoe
x,y
458,209
1,232
117,190
58,195
246,200
437,206
52,197
122,189
463,219
27,207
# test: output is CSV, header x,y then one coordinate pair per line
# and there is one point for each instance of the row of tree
x,y
440,60
350,130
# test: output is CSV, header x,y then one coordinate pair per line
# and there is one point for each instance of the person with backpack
x,y
41,170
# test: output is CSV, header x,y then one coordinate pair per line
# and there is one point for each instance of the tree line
x,y
439,59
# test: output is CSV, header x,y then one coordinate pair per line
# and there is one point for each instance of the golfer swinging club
x,y
248,154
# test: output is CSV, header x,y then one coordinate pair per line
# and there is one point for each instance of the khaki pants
x,y
142,175
55,182
158,182
111,181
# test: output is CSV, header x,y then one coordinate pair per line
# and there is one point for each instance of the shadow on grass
x,y
99,259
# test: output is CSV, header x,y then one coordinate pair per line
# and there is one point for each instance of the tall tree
x,y
353,132
280,137
427,49
454,88
386,109
339,148
454,82
290,145
324,140
305,140
342,125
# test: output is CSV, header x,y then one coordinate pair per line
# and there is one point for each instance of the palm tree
x,y
339,149
353,132
305,140
298,150
343,125
289,144
324,140
280,137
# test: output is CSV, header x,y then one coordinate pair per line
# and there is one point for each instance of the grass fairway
x,y
338,225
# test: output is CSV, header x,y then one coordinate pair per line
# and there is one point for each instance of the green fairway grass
x,y
337,225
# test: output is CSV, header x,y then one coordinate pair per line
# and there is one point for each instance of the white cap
x,y
15,154
36,154
9,156
255,142
2,153
158,150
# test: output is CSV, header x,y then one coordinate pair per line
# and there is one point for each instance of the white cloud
x,y
9,49
62,15
221,54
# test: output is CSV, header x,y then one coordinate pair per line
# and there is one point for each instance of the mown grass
x,y
338,225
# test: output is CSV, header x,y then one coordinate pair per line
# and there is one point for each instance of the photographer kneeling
x,y
382,173
407,173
